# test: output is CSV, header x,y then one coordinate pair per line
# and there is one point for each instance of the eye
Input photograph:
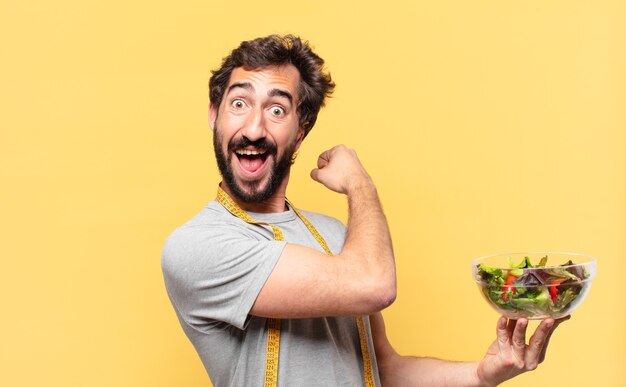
x,y
238,104
277,111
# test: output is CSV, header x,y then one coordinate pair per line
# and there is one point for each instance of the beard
x,y
252,191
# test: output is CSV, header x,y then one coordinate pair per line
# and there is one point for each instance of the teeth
x,y
249,152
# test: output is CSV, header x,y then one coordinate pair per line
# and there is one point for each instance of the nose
x,y
254,127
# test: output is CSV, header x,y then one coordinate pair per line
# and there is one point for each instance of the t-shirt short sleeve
x,y
214,273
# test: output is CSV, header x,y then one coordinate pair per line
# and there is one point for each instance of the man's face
x,y
256,130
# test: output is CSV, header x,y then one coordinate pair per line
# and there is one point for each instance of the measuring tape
x,y
273,324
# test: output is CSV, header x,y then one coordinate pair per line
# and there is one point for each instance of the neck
x,y
275,203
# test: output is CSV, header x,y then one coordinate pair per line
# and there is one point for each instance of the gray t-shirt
x,y
215,266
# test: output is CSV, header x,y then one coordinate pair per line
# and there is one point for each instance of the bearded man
x,y
272,295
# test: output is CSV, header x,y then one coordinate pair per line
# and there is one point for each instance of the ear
x,y
299,138
212,115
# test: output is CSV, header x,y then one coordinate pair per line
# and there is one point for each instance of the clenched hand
x,y
340,170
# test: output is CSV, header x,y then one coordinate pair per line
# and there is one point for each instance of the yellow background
x,y
489,126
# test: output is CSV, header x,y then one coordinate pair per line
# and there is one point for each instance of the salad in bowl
x,y
534,285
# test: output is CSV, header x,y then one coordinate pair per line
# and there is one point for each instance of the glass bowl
x,y
534,285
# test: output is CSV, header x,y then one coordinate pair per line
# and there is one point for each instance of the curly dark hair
x,y
315,84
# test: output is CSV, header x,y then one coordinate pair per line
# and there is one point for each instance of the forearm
x,y
402,371
368,247
365,268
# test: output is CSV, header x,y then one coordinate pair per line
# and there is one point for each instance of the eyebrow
x,y
281,93
243,85
271,93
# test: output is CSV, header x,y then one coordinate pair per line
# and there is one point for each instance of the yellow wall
x,y
489,126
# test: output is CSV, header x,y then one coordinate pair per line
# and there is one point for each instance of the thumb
x,y
315,174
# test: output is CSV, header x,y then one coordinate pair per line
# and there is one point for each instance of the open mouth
x,y
251,160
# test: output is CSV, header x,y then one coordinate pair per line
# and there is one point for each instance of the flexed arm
x,y
360,279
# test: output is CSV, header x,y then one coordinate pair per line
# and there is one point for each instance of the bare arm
x,y
396,370
507,357
360,279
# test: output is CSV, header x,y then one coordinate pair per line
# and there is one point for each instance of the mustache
x,y
261,144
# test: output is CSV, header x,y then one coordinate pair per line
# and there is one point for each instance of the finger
x,y
510,327
518,340
538,342
557,322
502,335
323,159
502,330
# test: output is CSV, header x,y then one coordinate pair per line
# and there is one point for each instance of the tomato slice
x,y
508,287
554,290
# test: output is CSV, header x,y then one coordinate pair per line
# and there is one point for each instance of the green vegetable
x,y
545,291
